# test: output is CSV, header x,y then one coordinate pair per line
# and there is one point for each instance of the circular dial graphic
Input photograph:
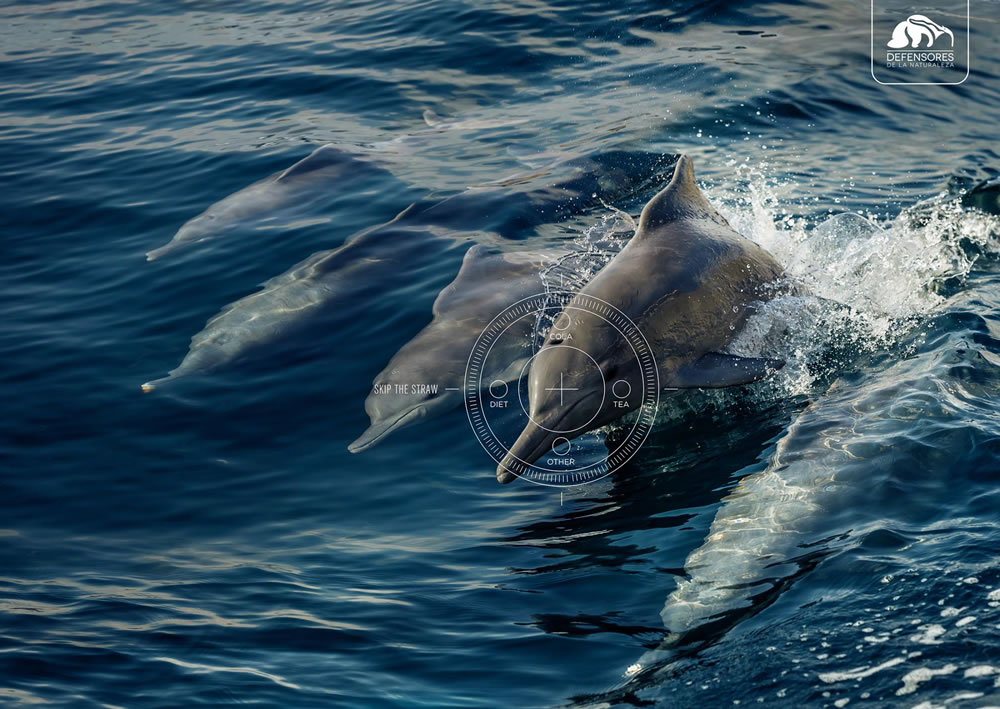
x,y
498,393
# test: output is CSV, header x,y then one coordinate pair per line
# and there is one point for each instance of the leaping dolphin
x,y
425,377
688,282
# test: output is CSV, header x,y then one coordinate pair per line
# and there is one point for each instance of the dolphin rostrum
x,y
425,377
688,281
297,187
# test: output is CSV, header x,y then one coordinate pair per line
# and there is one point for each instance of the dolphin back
x,y
324,157
488,281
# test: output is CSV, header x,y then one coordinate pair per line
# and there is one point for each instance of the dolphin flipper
x,y
714,371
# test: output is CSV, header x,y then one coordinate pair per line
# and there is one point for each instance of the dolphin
x,y
688,281
296,187
781,520
425,378
343,279
347,276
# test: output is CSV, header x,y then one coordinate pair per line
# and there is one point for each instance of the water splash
x,y
591,251
870,286
870,281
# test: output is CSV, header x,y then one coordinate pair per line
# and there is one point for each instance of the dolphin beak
x,y
534,441
157,253
528,448
377,431
155,384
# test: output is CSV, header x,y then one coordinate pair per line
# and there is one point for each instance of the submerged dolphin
x,y
780,521
305,181
348,276
296,187
344,279
431,366
687,280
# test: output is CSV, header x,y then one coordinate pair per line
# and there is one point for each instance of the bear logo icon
x,y
914,29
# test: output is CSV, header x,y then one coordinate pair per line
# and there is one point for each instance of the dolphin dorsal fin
x,y
475,268
321,157
681,199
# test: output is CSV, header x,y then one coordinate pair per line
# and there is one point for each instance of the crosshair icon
x,y
496,427
561,389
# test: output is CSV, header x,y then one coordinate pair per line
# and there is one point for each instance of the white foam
x,y
885,273
930,634
860,672
923,674
962,696
885,276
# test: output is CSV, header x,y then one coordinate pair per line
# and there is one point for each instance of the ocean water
x,y
827,537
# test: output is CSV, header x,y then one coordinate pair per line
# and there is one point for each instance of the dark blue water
x,y
828,536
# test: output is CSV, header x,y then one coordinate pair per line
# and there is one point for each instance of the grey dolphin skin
x,y
431,366
688,281
346,278
295,187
